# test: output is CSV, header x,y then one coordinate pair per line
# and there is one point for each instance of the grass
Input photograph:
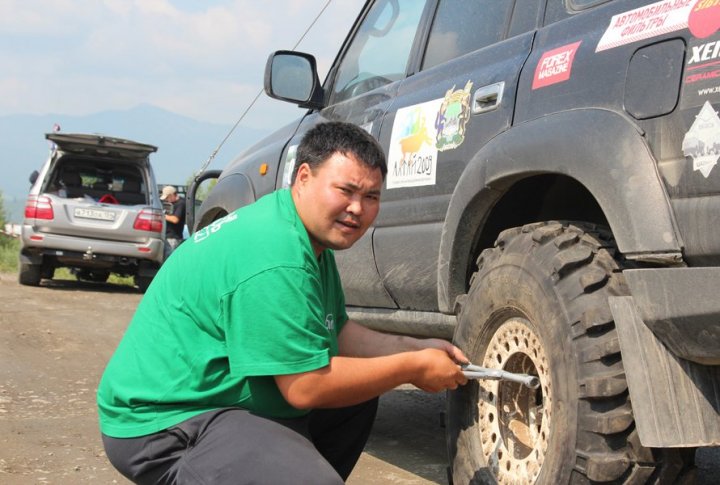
x,y
10,248
66,274
121,280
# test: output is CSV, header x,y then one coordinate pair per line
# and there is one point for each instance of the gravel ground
x,y
54,343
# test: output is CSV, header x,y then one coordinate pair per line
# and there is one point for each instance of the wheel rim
x,y
514,420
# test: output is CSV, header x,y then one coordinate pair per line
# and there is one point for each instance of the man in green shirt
x,y
240,364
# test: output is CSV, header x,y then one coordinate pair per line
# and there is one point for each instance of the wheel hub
x,y
514,421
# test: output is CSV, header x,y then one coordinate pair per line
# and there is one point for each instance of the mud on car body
x,y
92,208
551,205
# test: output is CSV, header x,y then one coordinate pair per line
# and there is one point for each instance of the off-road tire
x,y
538,304
48,272
143,282
30,274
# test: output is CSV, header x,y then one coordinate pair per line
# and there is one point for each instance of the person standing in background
x,y
174,218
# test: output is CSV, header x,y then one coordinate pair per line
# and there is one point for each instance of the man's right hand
x,y
351,380
437,371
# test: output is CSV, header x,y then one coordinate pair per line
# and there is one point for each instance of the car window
x,y
83,179
462,26
525,16
380,51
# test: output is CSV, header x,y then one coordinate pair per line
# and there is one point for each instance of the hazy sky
x,y
199,58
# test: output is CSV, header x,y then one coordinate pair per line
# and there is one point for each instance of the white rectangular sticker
x,y
412,158
646,22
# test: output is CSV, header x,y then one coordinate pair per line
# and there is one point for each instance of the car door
x,y
461,95
360,89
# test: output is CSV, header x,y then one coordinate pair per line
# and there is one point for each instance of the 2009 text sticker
x,y
422,130
412,158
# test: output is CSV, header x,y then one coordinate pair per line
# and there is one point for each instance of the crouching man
x,y
240,364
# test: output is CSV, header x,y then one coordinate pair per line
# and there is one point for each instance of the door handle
x,y
487,98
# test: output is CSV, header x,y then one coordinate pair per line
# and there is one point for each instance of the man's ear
x,y
303,173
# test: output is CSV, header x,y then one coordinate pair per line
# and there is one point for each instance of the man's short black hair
x,y
325,139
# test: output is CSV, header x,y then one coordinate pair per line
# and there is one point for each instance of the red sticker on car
x,y
704,18
554,66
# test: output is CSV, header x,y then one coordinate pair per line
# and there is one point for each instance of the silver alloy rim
x,y
514,421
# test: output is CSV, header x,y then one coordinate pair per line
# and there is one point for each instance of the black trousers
x,y
234,446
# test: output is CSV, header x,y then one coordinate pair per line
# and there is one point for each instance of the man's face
x,y
338,201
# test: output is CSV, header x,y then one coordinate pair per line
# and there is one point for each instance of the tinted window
x,y
462,26
381,48
525,16
76,178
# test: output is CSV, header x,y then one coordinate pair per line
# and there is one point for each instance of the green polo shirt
x,y
242,300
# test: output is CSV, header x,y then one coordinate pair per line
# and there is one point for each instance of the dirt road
x,y
54,343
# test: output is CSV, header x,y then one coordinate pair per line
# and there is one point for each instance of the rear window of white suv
x,y
103,182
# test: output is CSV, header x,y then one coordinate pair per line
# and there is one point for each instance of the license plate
x,y
97,214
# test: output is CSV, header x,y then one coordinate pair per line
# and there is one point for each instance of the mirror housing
x,y
33,177
292,76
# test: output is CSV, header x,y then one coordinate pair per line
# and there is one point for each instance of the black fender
x,y
248,177
602,150
30,258
231,192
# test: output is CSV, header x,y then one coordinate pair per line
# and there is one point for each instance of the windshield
x,y
379,53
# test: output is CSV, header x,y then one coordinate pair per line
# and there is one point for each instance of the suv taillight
x,y
39,207
149,220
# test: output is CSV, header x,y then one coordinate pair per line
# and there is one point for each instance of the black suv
x,y
551,205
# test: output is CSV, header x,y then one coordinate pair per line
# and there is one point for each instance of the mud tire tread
x,y
581,263
29,274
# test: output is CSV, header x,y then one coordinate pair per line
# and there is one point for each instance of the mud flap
x,y
676,403
147,269
31,258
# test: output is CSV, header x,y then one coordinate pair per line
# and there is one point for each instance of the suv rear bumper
x,y
56,245
681,308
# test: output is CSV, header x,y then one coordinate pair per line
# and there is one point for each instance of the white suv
x,y
93,208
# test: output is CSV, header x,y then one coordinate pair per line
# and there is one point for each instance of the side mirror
x,y
33,177
292,76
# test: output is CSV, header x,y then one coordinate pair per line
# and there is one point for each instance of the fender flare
x,y
231,192
613,162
